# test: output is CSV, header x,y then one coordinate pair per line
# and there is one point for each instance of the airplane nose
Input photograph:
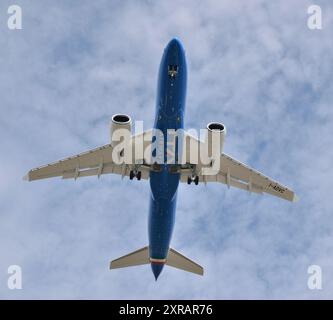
x,y
175,46
157,269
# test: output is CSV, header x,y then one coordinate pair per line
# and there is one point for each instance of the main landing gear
x,y
194,179
136,174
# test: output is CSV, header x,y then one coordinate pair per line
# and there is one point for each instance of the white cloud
x,y
256,67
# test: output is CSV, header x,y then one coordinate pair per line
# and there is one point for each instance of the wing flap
x,y
94,162
234,173
222,178
253,178
85,160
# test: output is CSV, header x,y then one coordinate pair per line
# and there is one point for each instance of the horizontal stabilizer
x,y
177,260
135,258
141,256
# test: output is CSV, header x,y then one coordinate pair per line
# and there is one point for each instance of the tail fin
x,y
177,260
141,256
135,258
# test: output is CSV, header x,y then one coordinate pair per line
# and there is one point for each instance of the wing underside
x,y
99,161
236,174
95,162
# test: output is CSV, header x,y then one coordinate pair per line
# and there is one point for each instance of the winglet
x,y
295,198
26,177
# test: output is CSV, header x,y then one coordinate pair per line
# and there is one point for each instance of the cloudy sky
x,y
253,65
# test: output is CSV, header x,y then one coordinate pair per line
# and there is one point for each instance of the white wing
x,y
236,174
94,162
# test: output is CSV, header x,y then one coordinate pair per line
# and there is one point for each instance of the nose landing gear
x,y
194,179
134,173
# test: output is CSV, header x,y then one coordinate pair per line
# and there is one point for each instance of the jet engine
x,y
119,121
215,137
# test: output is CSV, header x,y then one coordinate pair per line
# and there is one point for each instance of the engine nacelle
x,y
215,137
119,121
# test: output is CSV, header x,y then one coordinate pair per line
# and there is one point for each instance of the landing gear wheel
x,y
131,176
189,180
196,180
138,175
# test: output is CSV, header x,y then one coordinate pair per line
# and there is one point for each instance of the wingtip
x,y
26,177
295,198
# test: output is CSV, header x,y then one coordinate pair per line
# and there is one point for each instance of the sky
x,y
253,65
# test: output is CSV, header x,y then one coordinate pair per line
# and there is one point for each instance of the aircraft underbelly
x,y
161,221
170,105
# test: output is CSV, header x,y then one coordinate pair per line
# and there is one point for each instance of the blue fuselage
x,y
170,107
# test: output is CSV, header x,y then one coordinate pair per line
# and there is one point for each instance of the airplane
x,y
164,177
